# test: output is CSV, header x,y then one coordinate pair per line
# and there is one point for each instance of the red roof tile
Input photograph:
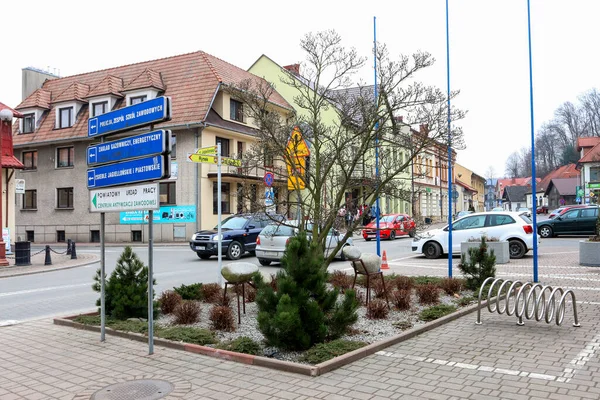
x,y
112,85
76,91
146,79
592,155
565,171
190,79
11,162
40,99
583,142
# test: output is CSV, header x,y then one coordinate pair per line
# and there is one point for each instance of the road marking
x,y
580,359
469,366
9,322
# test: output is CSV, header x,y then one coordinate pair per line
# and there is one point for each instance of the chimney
x,y
293,68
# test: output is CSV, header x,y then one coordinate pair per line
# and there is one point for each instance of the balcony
x,y
247,172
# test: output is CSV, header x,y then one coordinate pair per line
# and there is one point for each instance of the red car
x,y
390,226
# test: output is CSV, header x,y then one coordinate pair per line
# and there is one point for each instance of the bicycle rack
x,y
524,294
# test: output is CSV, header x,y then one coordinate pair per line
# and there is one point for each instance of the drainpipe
x,y
8,179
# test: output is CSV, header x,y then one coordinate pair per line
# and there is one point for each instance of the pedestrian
x,y
341,217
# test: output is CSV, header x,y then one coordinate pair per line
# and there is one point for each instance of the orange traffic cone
x,y
384,264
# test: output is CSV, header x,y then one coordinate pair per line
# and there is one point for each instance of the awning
x,y
472,189
11,162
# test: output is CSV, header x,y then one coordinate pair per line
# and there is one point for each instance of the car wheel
x,y
516,248
392,235
432,250
235,251
545,232
264,262
203,256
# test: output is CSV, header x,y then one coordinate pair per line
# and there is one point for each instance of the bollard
x,y
73,251
48,260
68,247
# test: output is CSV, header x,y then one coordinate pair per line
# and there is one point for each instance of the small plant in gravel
x,y
401,299
242,344
402,325
428,293
273,282
187,312
187,334
340,280
451,285
379,289
465,301
137,326
168,301
481,265
423,280
221,318
190,292
377,309
435,312
212,293
250,294
404,283
326,351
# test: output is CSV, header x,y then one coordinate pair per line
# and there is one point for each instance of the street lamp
x,y
6,117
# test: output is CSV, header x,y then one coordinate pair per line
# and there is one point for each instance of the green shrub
x,y
303,311
424,280
465,301
190,292
241,345
126,289
482,265
169,300
326,351
435,312
402,325
187,334
136,326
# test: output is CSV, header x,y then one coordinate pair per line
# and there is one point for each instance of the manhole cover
x,y
147,389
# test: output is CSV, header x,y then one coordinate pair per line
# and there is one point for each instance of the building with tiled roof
x,y
53,138
589,165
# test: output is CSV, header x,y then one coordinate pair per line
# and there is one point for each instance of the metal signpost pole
x,y
219,236
449,150
376,140
102,274
150,281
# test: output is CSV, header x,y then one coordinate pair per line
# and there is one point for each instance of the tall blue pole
x,y
376,137
449,150
533,180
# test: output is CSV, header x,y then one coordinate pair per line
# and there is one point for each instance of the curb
x,y
41,271
287,366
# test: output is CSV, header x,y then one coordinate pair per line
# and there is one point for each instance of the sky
x,y
489,56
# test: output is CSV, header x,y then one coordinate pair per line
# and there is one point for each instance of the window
x,y
60,236
173,146
64,198
571,214
28,123
30,200
137,100
224,146
65,117
589,213
595,174
30,236
268,158
470,223
64,157
167,193
136,236
30,160
99,108
225,203
95,236
495,220
236,110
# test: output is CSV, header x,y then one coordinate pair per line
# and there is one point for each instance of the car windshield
x,y
233,223
526,218
278,230
387,218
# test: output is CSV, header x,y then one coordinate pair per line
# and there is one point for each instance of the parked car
x,y
574,221
390,226
239,236
461,214
271,242
541,210
562,209
497,209
524,210
516,228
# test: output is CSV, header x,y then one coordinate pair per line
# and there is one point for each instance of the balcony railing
x,y
252,172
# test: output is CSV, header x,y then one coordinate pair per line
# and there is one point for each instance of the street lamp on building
x,y
6,117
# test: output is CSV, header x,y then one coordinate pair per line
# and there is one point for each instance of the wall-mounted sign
x,y
20,186
139,170
146,144
166,215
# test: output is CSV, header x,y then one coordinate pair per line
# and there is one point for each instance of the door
x,y
467,228
495,225
587,221
253,228
566,223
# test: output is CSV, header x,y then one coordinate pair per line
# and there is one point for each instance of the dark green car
x,y
577,221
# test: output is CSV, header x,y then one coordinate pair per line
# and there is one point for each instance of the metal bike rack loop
x,y
527,299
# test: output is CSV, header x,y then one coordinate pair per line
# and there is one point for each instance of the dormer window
x,y
236,110
99,108
65,117
28,123
136,100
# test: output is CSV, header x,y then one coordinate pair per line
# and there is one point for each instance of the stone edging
x,y
309,370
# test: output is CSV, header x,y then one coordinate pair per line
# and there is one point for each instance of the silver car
x,y
272,240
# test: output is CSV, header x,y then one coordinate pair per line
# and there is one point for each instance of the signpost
x,y
206,159
146,144
121,173
125,198
210,150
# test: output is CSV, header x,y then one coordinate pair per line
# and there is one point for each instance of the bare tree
x,y
513,165
490,172
342,151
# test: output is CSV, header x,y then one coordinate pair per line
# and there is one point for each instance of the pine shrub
x,y
212,293
451,285
190,292
221,318
428,293
326,351
340,280
168,301
401,299
377,309
187,312
126,290
404,283
303,311
481,265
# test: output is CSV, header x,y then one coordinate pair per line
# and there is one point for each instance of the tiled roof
x,y
587,142
16,114
76,91
40,99
146,79
190,79
592,155
112,85
516,193
516,181
10,161
565,187
566,171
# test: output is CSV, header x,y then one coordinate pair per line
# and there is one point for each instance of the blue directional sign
x,y
147,144
135,116
121,173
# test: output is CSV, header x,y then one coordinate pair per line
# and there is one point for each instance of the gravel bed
x,y
364,330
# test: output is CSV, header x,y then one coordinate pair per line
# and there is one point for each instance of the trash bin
x,y
22,253
427,220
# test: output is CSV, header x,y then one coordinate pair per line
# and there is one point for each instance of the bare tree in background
x,y
342,150
513,165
